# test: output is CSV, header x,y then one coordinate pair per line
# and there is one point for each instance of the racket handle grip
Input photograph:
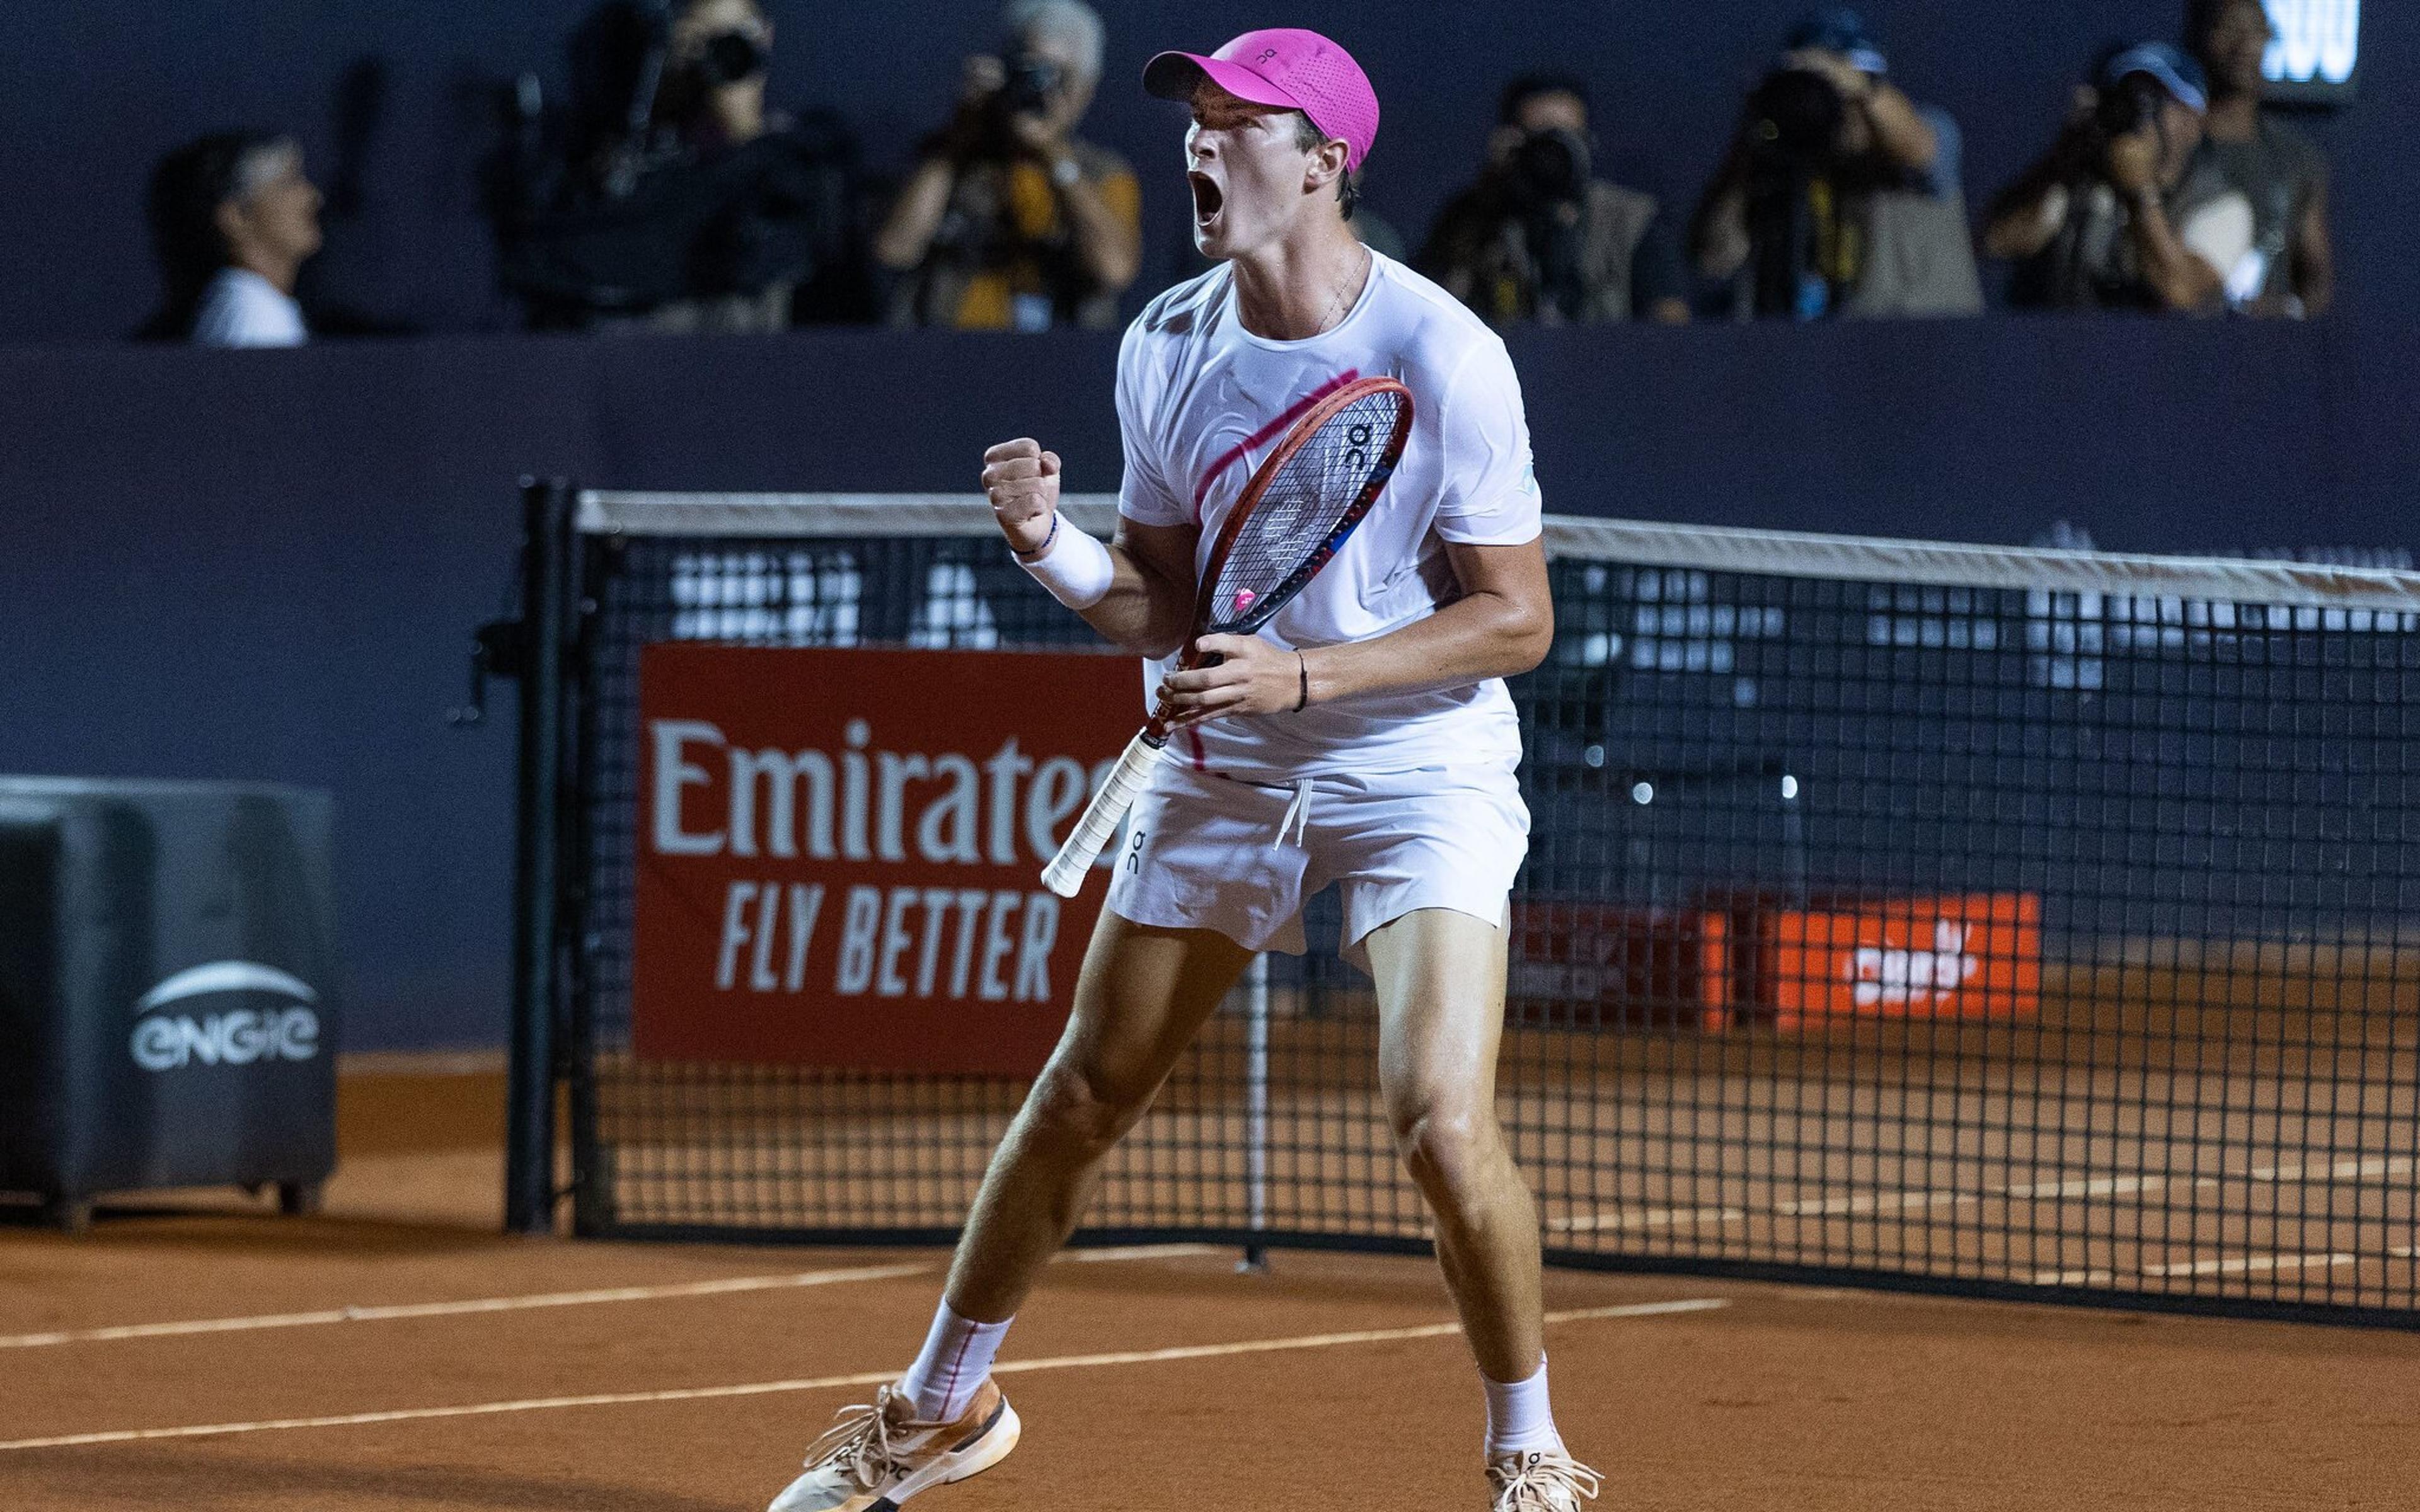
x,y
1066,872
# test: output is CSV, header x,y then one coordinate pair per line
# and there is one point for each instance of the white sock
x,y
1519,1417
958,1356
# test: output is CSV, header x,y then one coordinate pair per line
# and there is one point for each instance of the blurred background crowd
x,y
662,186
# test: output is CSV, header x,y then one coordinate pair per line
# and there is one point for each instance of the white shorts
x,y
1205,851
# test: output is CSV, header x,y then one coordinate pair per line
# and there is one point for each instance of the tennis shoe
x,y
875,1458
1541,1480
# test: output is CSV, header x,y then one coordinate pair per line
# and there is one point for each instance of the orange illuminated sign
x,y
1972,956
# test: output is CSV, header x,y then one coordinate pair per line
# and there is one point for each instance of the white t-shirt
x,y
242,309
2220,234
1201,401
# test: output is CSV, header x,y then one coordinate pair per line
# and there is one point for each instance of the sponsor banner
x,y
1744,959
1600,963
838,853
1976,956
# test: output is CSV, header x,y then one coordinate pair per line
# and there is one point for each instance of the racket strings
x,y
1305,500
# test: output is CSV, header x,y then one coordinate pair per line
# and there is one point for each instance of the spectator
x,y
1540,237
2278,170
2111,218
680,200
233,219
1840,195
1010,222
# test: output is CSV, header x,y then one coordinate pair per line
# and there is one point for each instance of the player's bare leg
x,y
1142,997
1144,994
1440,978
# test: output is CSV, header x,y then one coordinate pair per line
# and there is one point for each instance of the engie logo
x,y
166,1040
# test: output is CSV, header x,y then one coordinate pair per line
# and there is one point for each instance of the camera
x,y
1549,167
1794,120
729,57
2129,105
1031,81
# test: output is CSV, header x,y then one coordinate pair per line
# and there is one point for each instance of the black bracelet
x,y
1303,665
1042,550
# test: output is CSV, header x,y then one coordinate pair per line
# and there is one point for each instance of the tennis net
x,y
1996,921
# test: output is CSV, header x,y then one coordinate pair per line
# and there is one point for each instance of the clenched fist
x,y
1022,482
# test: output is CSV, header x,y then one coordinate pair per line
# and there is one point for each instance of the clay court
x,y
395,1354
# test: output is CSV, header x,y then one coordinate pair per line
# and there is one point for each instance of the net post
x,y
547,506
1256,1111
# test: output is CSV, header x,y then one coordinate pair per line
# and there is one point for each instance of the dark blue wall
x,y
266,565
90,93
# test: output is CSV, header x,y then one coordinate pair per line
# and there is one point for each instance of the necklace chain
x,y
1335,307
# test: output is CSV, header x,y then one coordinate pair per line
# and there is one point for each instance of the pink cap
x,y
1285,67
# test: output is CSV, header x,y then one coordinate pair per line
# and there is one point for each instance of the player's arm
x,y
1500,626
1137,591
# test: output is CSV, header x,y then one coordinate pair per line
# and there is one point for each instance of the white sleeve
x,y
2219,233
1144,496
1490,494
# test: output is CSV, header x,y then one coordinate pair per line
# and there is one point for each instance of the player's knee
x,y
1443,1145
1082,1109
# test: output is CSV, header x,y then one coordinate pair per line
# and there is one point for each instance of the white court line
x,y
2099,1186
2105,1186
2304,1170
475,1304
2240,1264
1874,1202
1798,1208
2236,1265
2071,1278
764,1388
669,1291
1650,1218
1140,1251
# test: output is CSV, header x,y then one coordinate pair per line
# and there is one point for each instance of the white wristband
x,y
1075,568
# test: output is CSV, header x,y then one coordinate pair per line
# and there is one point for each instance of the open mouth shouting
x,y
1208,200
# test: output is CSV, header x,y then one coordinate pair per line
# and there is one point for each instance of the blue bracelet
x,y
1044,550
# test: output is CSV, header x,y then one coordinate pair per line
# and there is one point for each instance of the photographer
x,y
1840,195
2278,168
1538,237
1008,222
670,196
2110,217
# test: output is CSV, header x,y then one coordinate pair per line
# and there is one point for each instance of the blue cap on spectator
x,y
1840,29
2177,74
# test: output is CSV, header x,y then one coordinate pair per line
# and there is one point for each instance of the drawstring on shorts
x,y
1297,815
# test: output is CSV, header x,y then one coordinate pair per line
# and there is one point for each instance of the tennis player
x,y
1365,739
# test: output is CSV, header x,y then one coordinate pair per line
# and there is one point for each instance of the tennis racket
x,y
1300,506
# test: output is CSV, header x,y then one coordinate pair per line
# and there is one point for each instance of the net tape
x,y
1637,543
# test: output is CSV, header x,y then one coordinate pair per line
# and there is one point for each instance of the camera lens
x,y
1551,166
1796,117
2126,108
729,57
1030,82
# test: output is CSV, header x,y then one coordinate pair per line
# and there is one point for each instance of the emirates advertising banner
x,y
840,853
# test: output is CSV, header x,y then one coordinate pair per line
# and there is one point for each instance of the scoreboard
x,y
2314,50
